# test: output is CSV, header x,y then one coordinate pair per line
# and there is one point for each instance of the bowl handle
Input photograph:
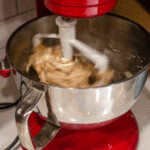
x,y
23,111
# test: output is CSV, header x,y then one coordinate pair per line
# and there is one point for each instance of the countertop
x,y
141,111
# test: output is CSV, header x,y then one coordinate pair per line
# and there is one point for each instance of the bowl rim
x,y
45,84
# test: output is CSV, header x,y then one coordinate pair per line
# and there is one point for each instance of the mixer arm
x,y
37,38
23,111
67,36
100,60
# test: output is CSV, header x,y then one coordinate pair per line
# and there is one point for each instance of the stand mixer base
x,y
121,134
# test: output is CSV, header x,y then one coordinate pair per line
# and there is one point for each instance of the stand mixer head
x,y
75,107
80,8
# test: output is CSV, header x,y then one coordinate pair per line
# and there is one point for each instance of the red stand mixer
x,y
109,124
100,137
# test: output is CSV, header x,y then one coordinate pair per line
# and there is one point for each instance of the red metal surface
x,y
5,73
41,9
80,3
80,8
121,134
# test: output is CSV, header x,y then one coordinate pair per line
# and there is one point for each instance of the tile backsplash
x,y
8,8
14,13
25,5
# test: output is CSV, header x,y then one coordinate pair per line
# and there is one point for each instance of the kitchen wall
x,y
13,13
134,10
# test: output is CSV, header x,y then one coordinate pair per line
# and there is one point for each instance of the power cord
x,y
13,143
4,106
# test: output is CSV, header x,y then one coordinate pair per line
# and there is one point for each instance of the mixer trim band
x,y
80,3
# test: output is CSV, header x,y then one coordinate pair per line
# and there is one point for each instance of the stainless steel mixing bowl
x,y
125,43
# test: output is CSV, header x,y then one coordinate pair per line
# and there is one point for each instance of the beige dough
x,y
53,69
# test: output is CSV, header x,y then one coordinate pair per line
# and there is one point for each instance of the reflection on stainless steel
x,y
24,109
127,46
4,65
